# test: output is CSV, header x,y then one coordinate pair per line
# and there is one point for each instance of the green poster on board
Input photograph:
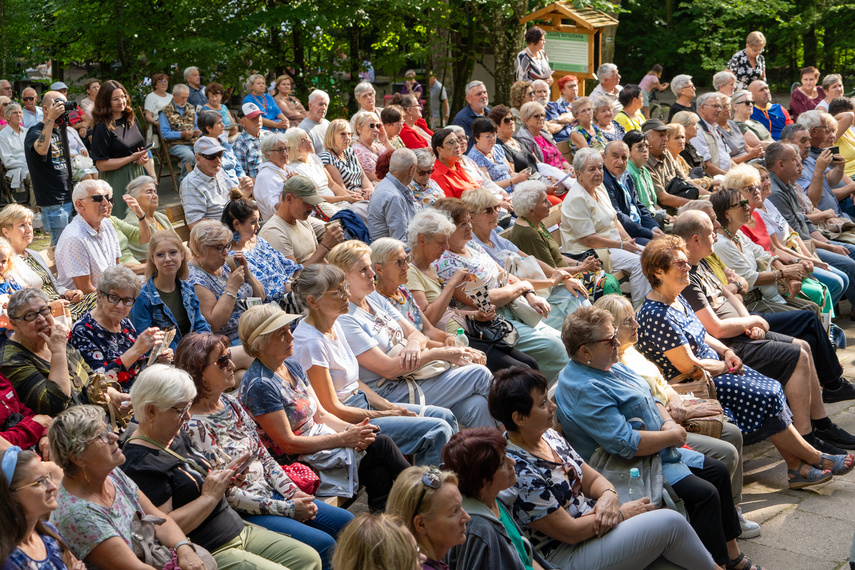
x,y
567,52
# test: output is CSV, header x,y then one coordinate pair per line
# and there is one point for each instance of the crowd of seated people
x,y
361,299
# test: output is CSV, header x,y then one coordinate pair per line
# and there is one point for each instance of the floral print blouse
x,y
480,264
225,435
745,74
272,269
216,284
407,306
368,156
102,349
426,195
18,560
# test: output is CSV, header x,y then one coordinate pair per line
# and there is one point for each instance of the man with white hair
x,y
609,85
541,95
708,142
205,191
33,114
477,100
89,244
178,128
392,205
772,116
194,82
315,124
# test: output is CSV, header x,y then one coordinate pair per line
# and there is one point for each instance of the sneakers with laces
x,y
750,529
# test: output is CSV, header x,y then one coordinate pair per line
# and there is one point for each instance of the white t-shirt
x,y
314,170
155,103
311,348
364,331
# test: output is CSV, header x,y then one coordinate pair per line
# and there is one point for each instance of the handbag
x,y
498,333
682,189
527,268
149,551
96,392
702,387
423,372
520,307
710,425
302,476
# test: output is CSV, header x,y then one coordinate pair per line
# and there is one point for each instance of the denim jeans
x,y
54,220
423,435
843,263
320,533
185,156
836,281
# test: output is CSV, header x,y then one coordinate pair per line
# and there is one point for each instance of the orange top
x,y
453,181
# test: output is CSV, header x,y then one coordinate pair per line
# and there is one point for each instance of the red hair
x,y
564,80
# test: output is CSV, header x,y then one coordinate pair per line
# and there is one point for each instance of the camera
x,y
69,106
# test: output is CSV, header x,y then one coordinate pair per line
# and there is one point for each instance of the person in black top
x,y
49,172
636,219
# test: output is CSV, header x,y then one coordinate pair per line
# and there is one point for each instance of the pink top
x,y
649,82
551,154
368,156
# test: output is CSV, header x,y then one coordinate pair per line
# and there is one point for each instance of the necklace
x,y
540,228
397,296
733,238
262,103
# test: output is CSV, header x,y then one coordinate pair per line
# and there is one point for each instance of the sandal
x,y
814,477
734,564
839,461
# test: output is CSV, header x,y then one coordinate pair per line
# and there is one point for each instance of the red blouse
x,y
758,234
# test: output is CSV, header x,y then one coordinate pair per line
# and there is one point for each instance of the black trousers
x,y
382,464
499,360
708,499
807,326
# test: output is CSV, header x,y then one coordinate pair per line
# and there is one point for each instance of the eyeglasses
x,y
689,86
41,482
538,116
103,435
222,362
452,143
507,120
342,292
432,479
421,172
612,339
629,321
182,411
98,198
220,248
404,261
740,204
33,315
714,106
374,125
279,150
213,157
114,299
29,98
490,210
682,264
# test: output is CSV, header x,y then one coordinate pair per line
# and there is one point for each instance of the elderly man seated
x,y
247,147
88,244
196,95
609,85
392,204
477,100
635,218
292,232
178,128
33,114
771,115
709,142
558,112
315,124
205,191
672,191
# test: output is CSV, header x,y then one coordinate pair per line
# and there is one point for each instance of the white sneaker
x,y
750,529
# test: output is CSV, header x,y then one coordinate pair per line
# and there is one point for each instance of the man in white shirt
x,y
315,124
708,142
609,85
205,191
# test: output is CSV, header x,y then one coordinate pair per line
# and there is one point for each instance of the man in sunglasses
x,y
89,244
205,191
392,205
32,113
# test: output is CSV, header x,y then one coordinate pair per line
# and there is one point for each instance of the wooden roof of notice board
x,y
589,18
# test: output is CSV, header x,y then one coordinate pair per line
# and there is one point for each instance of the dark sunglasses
x,y
374,125
222,362
98,198
432,479
740,204
215,156
424,172
29,98
507,120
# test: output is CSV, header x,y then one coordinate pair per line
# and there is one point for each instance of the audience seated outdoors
x,y
12,149
392,204
537,140
367,129
521,93
558,112
742,104
477,101
740,150
630,117
272,117
425,190
214,92
749,64
634,216
177,122
832,84
586,134
246,146
609,85
211,124
709,142
684,89
340,161
771,115
378,541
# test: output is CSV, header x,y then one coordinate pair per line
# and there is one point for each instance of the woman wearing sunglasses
x,y
449,172
106,337
367,126
222,430
28,496
425,190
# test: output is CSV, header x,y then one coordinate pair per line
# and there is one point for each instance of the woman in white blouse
x,y
12,146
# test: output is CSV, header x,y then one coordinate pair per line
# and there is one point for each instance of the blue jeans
x,y
54,220
842,263
836,281
184,154
423,435
320,533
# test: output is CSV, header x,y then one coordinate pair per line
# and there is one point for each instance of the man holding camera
x,y
44,148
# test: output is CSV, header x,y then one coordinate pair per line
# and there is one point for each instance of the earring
x,y
589,363
236,237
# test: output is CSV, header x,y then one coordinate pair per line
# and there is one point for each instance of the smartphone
x,y
245,465
148,146
834,149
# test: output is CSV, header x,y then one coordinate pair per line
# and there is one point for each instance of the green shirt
x,y
176,305
514,535
643,186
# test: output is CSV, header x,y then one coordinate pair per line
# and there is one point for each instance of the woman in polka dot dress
x,y
671,335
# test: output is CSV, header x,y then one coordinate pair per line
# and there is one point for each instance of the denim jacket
x,y
149,310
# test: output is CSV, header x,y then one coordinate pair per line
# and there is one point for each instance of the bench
x,y
179,224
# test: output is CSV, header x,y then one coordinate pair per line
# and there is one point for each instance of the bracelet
x,y
622,516
610,489
181,543
232,295
668,420
141,219
324,246
527,292
621,244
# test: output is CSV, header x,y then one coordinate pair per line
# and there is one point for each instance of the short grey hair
x,y
722,78
11,108
316,94
583,157
430,223
163,386
531,108
702,100
71,433
472,85
267,143
118,277
189,70
315,280
610,144
21,298
739,96
83,189
539,83
685,118
402,160
679,82
599,102
180,88
135,185
424,158
606,70
526,196
252,79
384,247
580,102
206,233
831,79
362,87
811,119
702,205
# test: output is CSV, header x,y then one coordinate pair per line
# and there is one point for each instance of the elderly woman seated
x,y
272,269
589,222
97,503
742,107
47,373
604,119
428,235
193,489
392,117
340,160
367,127
577,522
600,402
586,134
223,283
740,149
689,120
415,132
535,138
221,429
373,328
12,149
672,337
273,173
490,157
106,337
537,340
479,458
144,191
30,269
288,103
449,172
273,119
333,371
276,392
425,190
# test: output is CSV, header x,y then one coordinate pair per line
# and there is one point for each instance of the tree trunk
x,y
507,38
299,56
355,65
440,60
810,45
607,47
462,54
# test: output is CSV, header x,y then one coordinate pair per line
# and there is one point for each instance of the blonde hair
x,y
346,254
617,305
478,199
12,214
685,118
6,247
740,177
379,542
166,236
336,126
756,39
674,129
407,491
293,138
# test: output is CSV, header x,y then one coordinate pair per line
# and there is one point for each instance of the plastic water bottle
x,y
461,339
636,487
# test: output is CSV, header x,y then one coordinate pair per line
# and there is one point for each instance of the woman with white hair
x,y
742,106
367,127
588,221
534,136
604,119
144,191
690,120
425,190
273,173
585,134
365,96
12,147
273,118
737,144
684,89
724,82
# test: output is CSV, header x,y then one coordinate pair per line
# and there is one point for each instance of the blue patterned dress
x,y
272,269
754,402
17,560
